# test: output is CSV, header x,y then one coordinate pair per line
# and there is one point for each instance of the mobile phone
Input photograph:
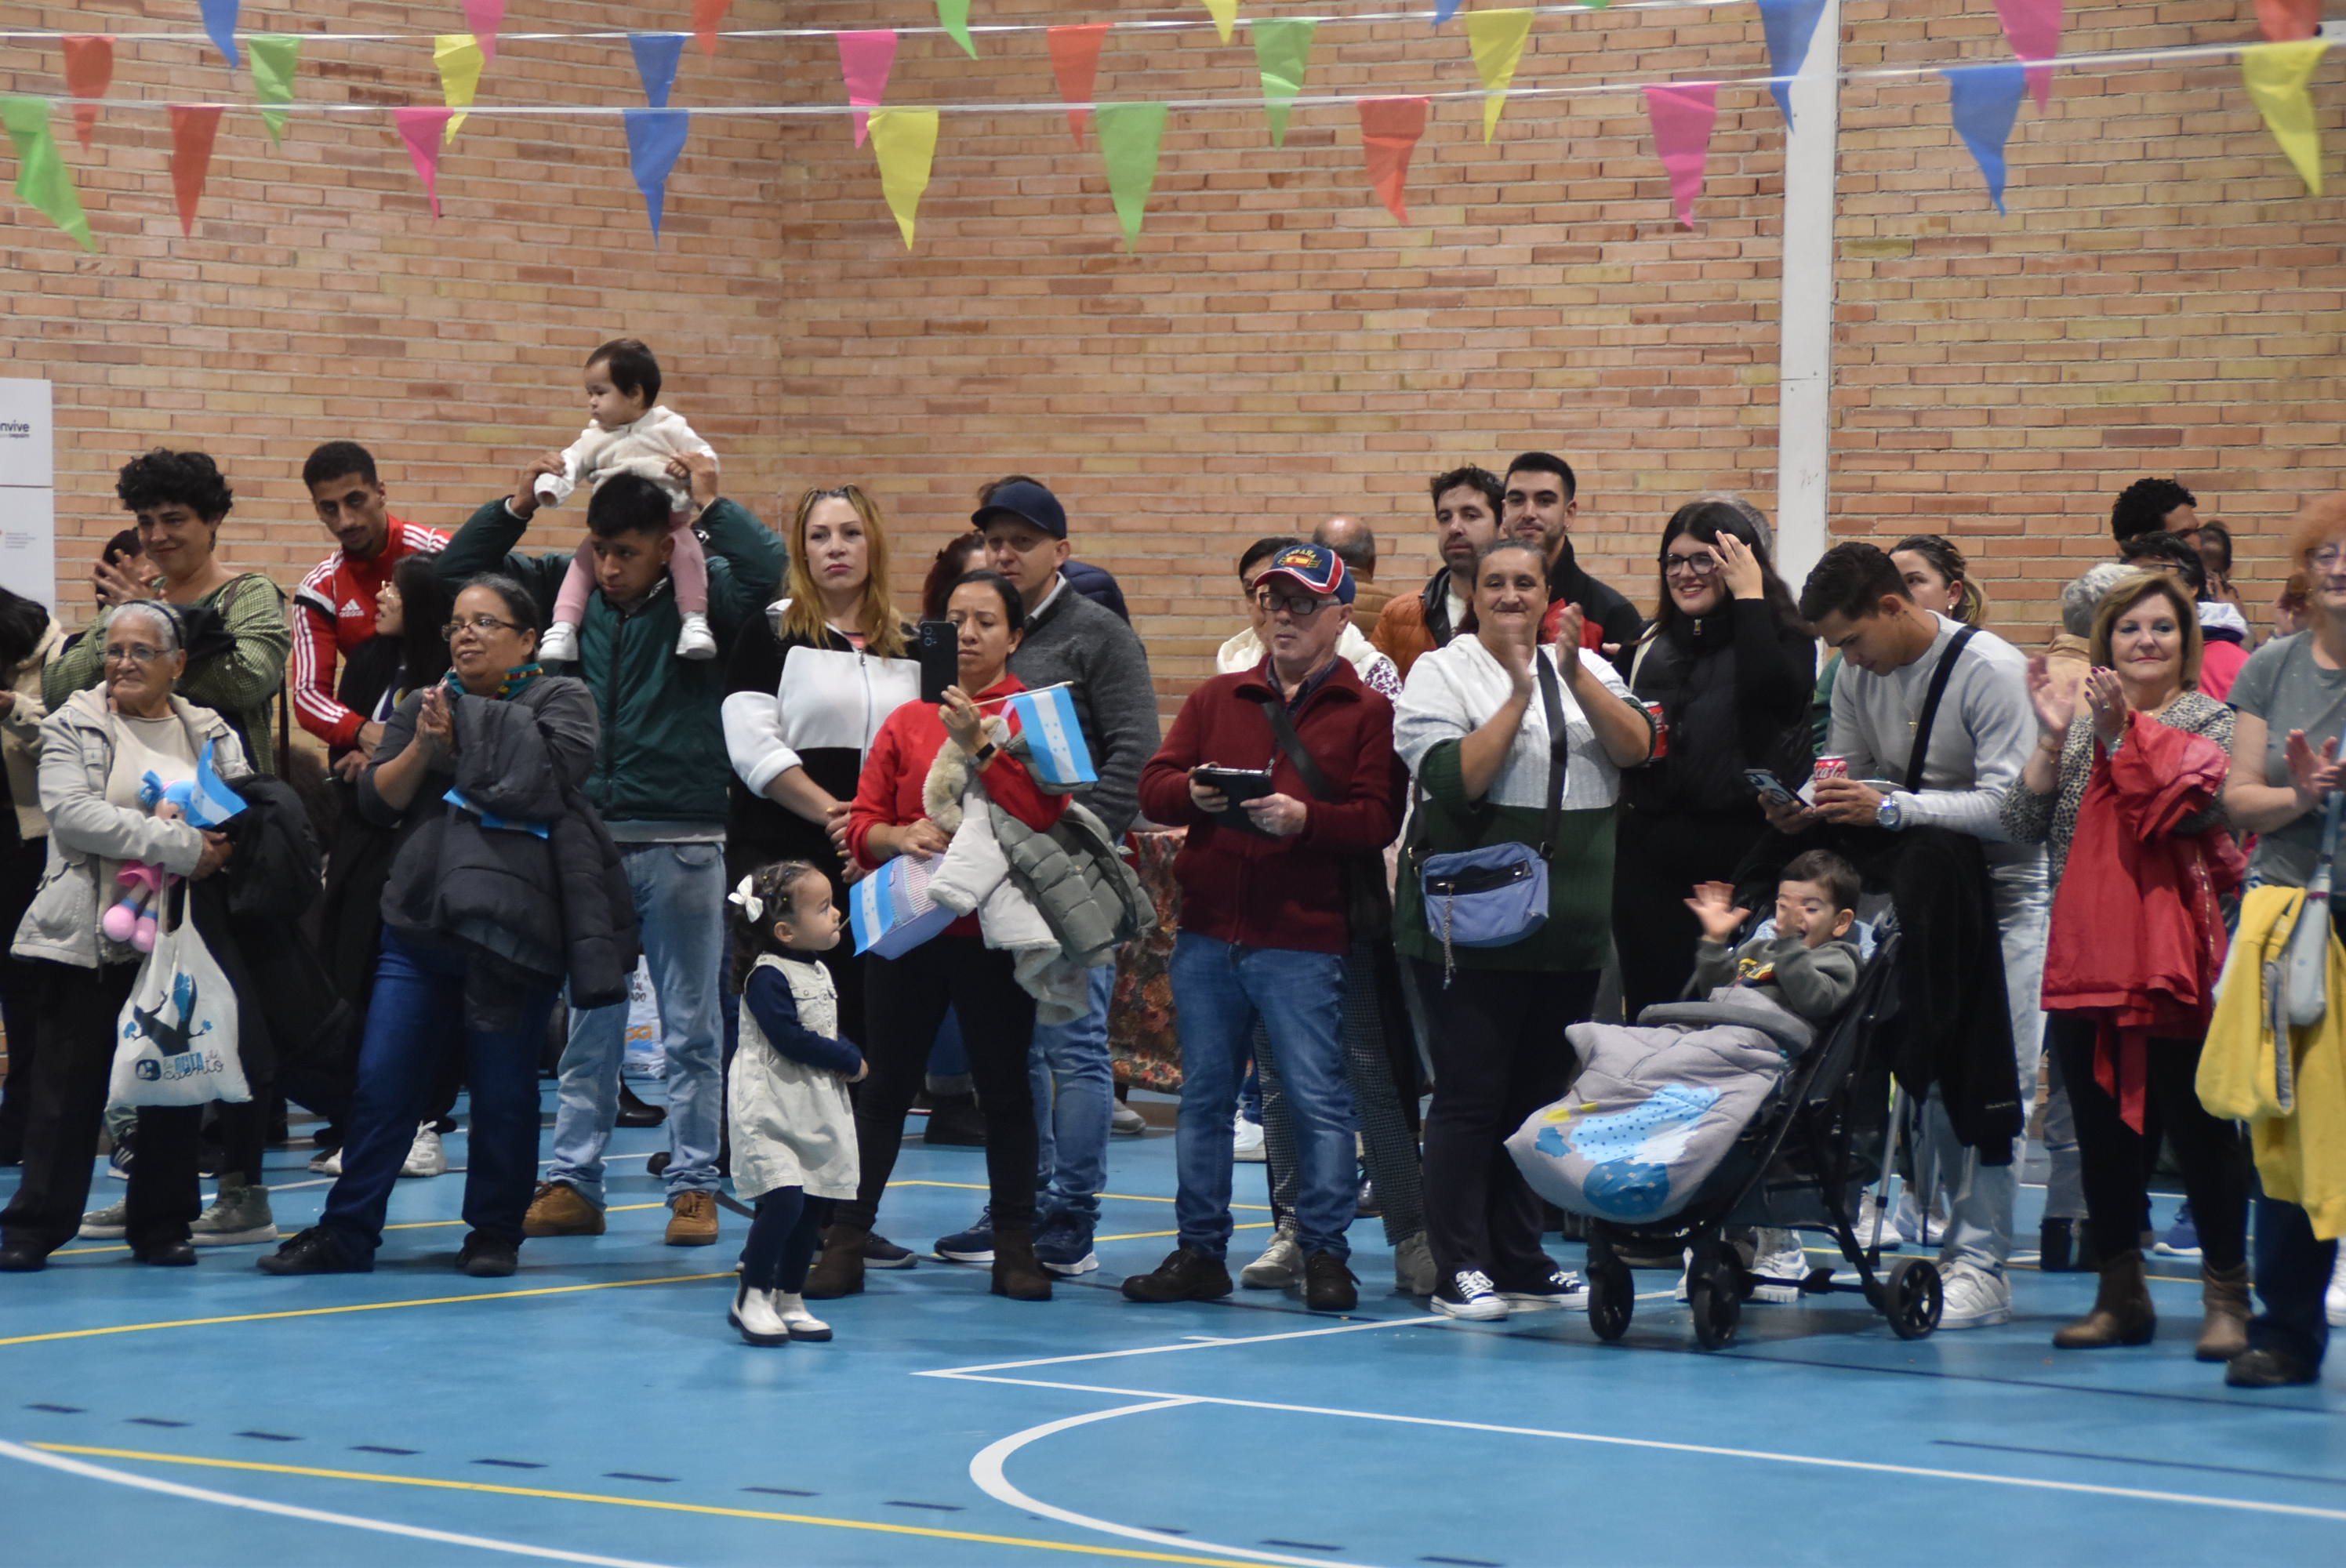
x,y
1238,785
940,656
1770,788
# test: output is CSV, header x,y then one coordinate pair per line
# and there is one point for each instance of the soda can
x,y
1832,768
1661,732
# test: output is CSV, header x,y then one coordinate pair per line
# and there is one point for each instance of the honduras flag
x,y
1057,752
210,802
890,909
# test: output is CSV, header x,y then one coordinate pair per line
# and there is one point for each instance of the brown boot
x,y
2224,1298
558,1208
2122,1314
1016,1273
840,1270
692,1220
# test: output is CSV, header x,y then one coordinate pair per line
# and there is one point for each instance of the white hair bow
x,y
744,897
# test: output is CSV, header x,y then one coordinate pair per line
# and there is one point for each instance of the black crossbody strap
x,y
1940,676
1282,729
1559,748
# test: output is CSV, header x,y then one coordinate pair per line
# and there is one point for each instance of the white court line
x,y
1192,1345
313,1516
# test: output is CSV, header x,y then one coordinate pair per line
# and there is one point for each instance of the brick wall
x,y
2162,299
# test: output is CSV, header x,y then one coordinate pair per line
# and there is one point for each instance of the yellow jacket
x,y
2297,1127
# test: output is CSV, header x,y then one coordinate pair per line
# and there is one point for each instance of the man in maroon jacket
x,y
1264,922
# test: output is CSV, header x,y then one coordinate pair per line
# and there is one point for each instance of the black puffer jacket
x,y
1734,687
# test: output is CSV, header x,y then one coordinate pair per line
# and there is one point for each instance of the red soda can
x,y
1661,732
1832,768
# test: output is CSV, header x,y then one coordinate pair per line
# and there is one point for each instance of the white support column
x,y
1804,368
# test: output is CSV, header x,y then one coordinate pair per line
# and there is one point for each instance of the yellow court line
x,y
654,1503
405,1224
1119,1197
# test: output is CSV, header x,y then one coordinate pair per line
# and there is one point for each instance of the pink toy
x,y
133,918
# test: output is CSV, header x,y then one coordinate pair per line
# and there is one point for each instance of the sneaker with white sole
x,y
1874,1217
559,646
974,1245
1414,1270
1246,1141
1558,1287
2182,1238
1281,1265
425,1157
1779,1268
239,1217
1127,1123
2333,1300
696,641
1911,1225
1974,1297
1062,1244
328,1162
111,1223
1469,1294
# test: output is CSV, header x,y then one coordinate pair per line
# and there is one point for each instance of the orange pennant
x,y
193,126
706,15
89,71
2288,21
1074,60
1389,131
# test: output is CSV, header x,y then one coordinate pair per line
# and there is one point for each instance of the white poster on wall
x,y
29,497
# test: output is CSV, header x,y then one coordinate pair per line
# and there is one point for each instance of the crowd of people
x,y
1422,832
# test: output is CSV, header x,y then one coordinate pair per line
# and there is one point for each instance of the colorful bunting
x,y
2288,21
706,15
905,142
42,182
1074,61
952,16
193,126
1984,101
2276,74
1389,131
1225,14
1790,27
422,131
1129,138
656,54
1683,114
219,23
1444,10
865,61
1498,38
2034,27
89,71
272,56
655,137
484,17
459,60
1282,49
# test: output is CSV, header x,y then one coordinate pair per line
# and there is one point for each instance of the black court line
x,y
2152,1463
154,1421
631,1475
781,1491
1462,1562
936,1507
383,1448
59,1409
270,1437
1300,1545
511,1463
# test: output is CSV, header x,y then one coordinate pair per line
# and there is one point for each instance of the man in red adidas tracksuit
x,y
334,608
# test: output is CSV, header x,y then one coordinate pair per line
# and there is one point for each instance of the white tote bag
x,y
176,1042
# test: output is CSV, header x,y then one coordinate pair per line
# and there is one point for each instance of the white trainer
x,y
1781,1265
696,641
1975,1299
559,644
755,1315
1246,1141
802,1323
111,1223
1279,1266
1413,1271
327,1162
2333,1300
425,1157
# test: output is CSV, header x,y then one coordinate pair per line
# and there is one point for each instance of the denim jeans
x,y
2292,1273
415,1017
1219,991
679,896
1075,1098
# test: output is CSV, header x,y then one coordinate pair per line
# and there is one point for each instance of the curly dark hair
x,y
163,476
2142,507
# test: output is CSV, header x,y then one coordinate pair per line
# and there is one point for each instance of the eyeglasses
x,y
1703,566
135,653
1297,605
483,625
2327,560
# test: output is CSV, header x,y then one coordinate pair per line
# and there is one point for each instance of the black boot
x,y
635,1113
1017,1273
2055,1247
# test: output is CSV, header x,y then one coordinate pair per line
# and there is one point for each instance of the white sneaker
x,y
1127,1123
1974,1297
754,1313
1281,1263
2333,1300
111,1223
1413,1273
425,1157
1246,1140
559,644
802,1323
1561,1288
696,641
328,1162
1781,1265
1874,1214
1469,1295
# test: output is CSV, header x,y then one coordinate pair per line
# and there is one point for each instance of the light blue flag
x,y
890,909
1790,27
654,138
1444,10
1984,100
1055,739
656,57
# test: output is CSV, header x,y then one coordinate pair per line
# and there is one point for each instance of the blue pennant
x,y
1444,10
1984,100
656,57
655,137
1791,27
220,22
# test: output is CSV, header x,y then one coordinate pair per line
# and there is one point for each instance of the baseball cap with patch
x,y
1316,569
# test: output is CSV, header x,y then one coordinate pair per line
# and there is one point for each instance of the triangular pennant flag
x,y
905,143
193,126
458,55
1984,101
1074,61
952,16
272,58
89,71
1283,48
484,17
1790,27
2288,21
1389,131
2034,27
706,15
1683,114
864,60
422,131
1129,138
655,137
1225,14
1444,10
656,57
1498,38
219,24
42,182
2276,74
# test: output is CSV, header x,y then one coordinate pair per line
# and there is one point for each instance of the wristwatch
x,y
986,754
1887,814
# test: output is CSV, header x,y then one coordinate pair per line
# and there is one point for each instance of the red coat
x,y
1247,888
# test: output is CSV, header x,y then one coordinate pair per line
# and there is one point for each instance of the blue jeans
x,y
679,896
1219,991
1074,1098
416,1015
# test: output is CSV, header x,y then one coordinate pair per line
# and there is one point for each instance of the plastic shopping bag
x,y
176,1042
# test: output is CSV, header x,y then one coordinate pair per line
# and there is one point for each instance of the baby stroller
x,y
1799,1163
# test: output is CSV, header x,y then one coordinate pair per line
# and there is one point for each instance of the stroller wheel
x,y
1913,1297
1717,1298
1612,1297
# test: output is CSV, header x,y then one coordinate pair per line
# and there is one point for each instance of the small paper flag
x,y
2034,27
1498,38
1790,27
219,23
1683,114
422,131
2288,21
1282,49
905,143
865,61
2275,75
1074,61
42,182
1389,131
1984,101
655,137
1129,138
484,17
89,71
656,57
952,16
1225,14
1444,10
193,126
272,58
458,55
706,15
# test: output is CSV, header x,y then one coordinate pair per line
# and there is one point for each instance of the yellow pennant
x,y
1498,38
2275,75
905,141
458,55
1226,16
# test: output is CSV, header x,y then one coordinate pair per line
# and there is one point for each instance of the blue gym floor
x,y
597,1409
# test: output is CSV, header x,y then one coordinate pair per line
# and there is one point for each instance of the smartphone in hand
x,y
940,656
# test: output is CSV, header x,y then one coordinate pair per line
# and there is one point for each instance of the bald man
x,y
1352,541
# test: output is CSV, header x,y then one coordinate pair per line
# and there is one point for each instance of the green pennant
x,y
1283,48
42,182
952,16
1129,135
273,56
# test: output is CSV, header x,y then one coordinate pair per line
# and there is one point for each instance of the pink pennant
x,y
1683,114
1074,60
89,70
421,129
2034,27
2280,21
864,59
1389,131
482,19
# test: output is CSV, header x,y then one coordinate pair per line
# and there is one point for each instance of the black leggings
x,y
2113,1155
782,1239
1657,862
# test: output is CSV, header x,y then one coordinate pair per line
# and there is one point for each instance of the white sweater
x,y
1453,691
643,447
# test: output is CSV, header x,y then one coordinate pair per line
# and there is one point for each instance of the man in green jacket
x,y
659,782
